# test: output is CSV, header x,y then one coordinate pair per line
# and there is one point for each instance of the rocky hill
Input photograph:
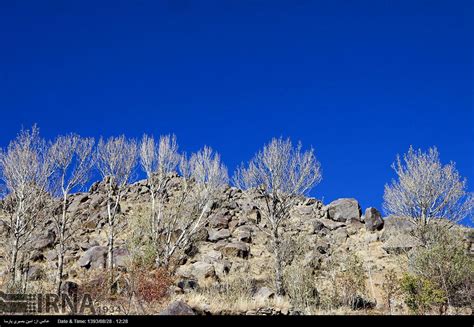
x,y
228,267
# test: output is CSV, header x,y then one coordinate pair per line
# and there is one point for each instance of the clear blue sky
x,y
358,80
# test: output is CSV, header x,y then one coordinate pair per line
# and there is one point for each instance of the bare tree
x,y
116,160
74,158
203,176
280,173
427,190
158,161
25,169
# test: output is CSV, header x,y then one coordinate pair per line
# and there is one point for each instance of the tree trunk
x,y
13,260
278,263
110,256
110,251
61,245
59,275
153,215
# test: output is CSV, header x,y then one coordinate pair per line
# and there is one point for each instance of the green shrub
x,y
421,295
446,264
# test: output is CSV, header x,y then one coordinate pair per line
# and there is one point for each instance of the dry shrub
x,y
300,286
390,288
345,285
152,286
96,285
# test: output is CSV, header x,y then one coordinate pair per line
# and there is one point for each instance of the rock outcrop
x,y
231,243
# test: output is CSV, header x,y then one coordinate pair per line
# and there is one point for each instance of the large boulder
x,y
212,256
197,271
344,210
400,244
94,258
396,226
236,249
44,241
178,308
203,270
373,220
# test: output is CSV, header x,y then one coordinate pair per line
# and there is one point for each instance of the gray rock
x,y
184,271
219,221
87,245
94,258
329,224
344,210
243,234
222,268
178,308
340,236
400,244
201,270
373,220
46,240
96,200
395,227
237,249
217,235
212,256
317,225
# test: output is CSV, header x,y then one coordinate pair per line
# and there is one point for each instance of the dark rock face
x,y
178,308
344,210
373,220
44,241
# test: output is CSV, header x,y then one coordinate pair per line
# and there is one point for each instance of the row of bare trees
x,y
35,172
